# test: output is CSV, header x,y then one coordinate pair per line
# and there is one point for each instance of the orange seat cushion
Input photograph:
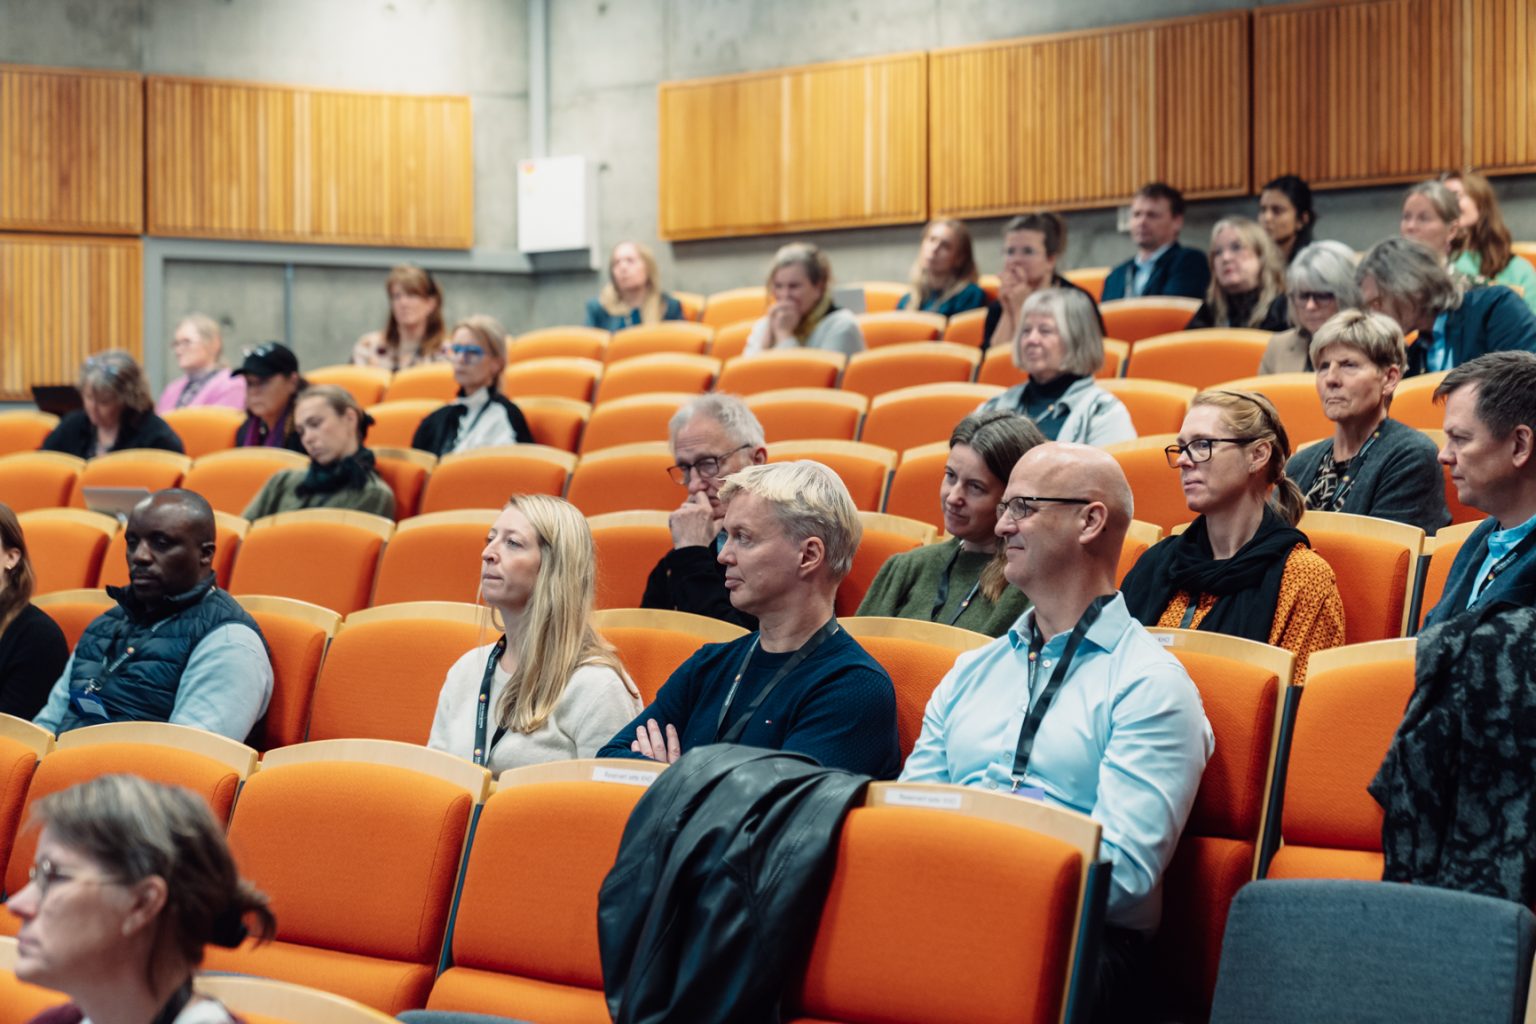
x,y
17,765
1315,862
470,991
389,986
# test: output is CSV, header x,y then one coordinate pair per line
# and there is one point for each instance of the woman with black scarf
x,y
340,473
1242,568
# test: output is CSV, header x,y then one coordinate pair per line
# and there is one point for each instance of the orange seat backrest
x,y
1413,403
114,564
488,480
639,418
581,342
297,648
1131,550
915,669
1155,407
1158,494
205,429
18,762
1200,358
1089,279
24,431
73,616
405,478
1372,575
124,472
777,369
432,562
1134,319
380,680
28,483
651,655
1448,543
229,482
864,477
65,555
561,378
899,327
1295,398
876,547
690,374
967,328
882,296
556,422
800,415
429,380
395,423
329,564
667,336
915,486
731,340
620,484
899,366
909,421
364,383
734,305
626,554
869,963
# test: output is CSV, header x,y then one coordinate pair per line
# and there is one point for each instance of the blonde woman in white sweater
x,y
553,689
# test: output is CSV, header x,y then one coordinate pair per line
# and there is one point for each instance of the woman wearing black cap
x,y
272,383
340,473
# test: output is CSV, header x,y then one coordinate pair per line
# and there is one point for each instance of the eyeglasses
x,y
1316,298
45,874
470,352
1023,506
708,467
1199,450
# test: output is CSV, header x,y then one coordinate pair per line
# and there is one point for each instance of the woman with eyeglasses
x,y
481,417
414,333
272,385
1032,245
959,582
130,881
1247,286
550,689
341,471
1373,465
1319,282
1242,568
118,412
198,347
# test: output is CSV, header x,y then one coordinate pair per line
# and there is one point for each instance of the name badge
x,y
1028,792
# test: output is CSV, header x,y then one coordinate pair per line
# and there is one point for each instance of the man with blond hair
x,y
800,683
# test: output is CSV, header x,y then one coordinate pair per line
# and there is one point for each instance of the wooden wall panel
x,y
830,145
62,298
1085,118
1359,93
1501,65
71,150
268,163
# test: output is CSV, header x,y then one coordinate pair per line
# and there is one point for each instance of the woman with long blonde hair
x,y
943,277
632,294
1247,286
550,689
803,314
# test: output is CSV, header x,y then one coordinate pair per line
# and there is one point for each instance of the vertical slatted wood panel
x,y
830,145
1085,118
62,298
71,150
1359,93
233,160
1501,64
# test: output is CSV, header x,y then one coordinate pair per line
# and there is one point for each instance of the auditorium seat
x,y
919,415
228,480
405,470
367,384
1201,358
884,536
653,642
386,666
1296,400
898,366
24,430
799,414
324,556
229,533
1159,494
967,328
680,336
916,655
395,423
1139,536
32,480
777,369
1375,562
149,468
1329,826
22,744
628,476
204,429
629,544
73,610
297,634
1089,279
1133,319
555,422
1155,406
488,477
66,546
915,485
1441,550
898,327
734,305
881,296
558,376
665,372
435,557
581,342
863,468
692,303
642,417
1413,403
731,340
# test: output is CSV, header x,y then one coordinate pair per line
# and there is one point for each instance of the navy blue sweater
x,y
837,706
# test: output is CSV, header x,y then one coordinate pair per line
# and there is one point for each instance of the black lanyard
x,y
482,754
733,734
943,596
174,1005
1351,475
1497,568
463,431
1042,703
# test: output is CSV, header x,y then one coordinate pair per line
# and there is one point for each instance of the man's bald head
x,y
1063,469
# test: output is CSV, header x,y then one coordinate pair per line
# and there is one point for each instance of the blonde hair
x,y
809,500
558,636
208,329
414,280
1250,414
1271,270
650,307
818,271
489,333
920,288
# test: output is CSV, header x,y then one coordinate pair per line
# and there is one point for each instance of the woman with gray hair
x,y
198,348
1373,465
1319,283
1431,217
118,413
1247,288
1060,346
1411,284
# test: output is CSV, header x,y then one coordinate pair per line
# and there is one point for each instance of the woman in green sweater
x,y
959,581
341,471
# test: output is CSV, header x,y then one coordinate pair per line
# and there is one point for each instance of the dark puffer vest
x,y
133,662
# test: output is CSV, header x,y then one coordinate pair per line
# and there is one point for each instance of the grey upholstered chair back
x,y
1363,952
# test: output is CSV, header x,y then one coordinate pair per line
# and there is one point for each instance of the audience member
x,y
1161,265
1319,283
712,436
632,294
205,380
1112,727
142,880
960,581
803,314
1486,253
1247,286
33,650
801,683
482,417
272,386
1285,211
118,412
550,689
1242,567
1409,283
176,648
1374,465
1431,217
1490,433
1059,345
1031,246
341,471
414,333
943,278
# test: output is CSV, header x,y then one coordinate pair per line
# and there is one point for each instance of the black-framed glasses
x,y
471,352
1317,298
1023,506
1199,450
708,467
45,874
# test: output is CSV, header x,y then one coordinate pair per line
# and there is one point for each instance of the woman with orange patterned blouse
x,y
1242,568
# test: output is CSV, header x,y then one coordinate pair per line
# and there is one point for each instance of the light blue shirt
x,y
225,687
1125,742
1143,272
1438,356
1500,543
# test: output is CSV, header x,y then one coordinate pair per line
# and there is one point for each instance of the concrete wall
x,y
606,58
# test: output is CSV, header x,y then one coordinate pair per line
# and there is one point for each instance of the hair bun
x,y
229,928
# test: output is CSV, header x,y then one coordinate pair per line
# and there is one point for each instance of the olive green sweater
x,y
907,587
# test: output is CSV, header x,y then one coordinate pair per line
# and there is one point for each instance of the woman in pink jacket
x,y
204,379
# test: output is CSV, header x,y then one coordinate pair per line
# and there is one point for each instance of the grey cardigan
x,y
1399,479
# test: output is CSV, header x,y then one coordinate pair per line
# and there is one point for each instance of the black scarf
x,y
347,474
1246,586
